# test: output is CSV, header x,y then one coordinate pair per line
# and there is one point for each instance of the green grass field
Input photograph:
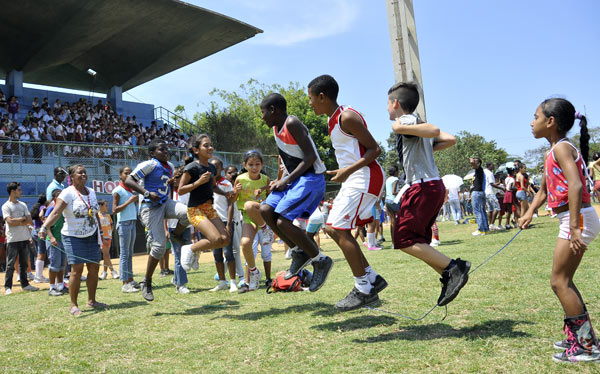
x,y
504,320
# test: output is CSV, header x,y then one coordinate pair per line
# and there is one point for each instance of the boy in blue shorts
x,y
298,193
156,176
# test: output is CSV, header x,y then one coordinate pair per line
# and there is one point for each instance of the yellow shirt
x,y
248,188
106,224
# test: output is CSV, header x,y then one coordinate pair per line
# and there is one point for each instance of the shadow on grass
x,y
357,323
87,311
504,328
317,309
214,307
451,242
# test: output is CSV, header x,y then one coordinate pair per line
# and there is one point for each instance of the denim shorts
x,y
82,250
56,256
522,195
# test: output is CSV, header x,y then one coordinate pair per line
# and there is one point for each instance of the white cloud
x,y
293,22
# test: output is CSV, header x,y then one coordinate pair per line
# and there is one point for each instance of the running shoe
x,y
187,257
320,272
355,300
453,280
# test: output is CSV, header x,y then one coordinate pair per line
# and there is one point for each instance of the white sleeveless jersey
x,y
292,154
348,150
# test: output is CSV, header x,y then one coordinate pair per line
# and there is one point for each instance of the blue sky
x,y
486,65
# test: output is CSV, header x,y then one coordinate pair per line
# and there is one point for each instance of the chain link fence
x,y
32,163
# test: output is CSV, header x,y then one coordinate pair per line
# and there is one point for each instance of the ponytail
x,y
584,137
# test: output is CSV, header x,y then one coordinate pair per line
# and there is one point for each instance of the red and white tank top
x,y
291,153
556,182
348,151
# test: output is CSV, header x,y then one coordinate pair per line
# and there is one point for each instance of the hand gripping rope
x,y
435,306
368,307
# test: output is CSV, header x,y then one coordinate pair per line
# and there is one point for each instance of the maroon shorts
x,y
419,207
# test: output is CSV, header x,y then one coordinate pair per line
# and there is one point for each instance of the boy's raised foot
x,y
355,300
299,260
187,257
453,279
320,272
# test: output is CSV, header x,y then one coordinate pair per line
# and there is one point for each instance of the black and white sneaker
x,y
320,273
147,290
453,279
355,300
299,260
379,285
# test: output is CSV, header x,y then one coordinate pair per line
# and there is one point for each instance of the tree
x,y
237,126
455,160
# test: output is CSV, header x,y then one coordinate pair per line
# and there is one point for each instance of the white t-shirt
x,y
78,221
453,194
489,179
15,210
220,202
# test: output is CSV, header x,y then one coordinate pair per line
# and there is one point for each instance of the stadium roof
x,y
127,42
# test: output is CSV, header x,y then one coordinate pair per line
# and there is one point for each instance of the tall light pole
x,y
405,48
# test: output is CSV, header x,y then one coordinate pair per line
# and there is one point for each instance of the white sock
x,y
318,257
254,269
39,268
295,249
52,286
371,239
60,286
371,274
362,284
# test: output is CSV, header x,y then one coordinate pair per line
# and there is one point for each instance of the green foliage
x,y
235,123
455,160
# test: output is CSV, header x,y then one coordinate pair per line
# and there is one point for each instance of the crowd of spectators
x,y
78,122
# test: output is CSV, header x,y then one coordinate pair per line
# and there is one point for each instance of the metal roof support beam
x,y
115,96
14,83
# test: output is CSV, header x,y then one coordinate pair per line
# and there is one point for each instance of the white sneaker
x,y
187,257
195,263
232,287
101,277
30,276
435,242
182,290
83,278
254,280
288,254
268,235
115,275
220,287
129,288
18,277
30,288
41,280
478,233
7,291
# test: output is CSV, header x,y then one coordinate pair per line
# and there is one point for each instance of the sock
x,y
318,257
263,226
295,249
371,239
362,284
52,286
39,268
253,269
371,274
59,286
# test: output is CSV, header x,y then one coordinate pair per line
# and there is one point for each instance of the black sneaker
x,y
169,272
355,300
244,288
453,280
163,273
299,260
65,290
320,272
379,284
147,290
268,282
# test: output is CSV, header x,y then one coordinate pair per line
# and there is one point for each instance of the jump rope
x,y
366,307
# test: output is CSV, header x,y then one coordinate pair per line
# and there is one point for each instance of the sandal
x,y
75,311
96,304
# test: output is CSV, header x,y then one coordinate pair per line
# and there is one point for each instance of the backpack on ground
x,y
295,283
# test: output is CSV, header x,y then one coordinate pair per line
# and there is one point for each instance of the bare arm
x,y
443,141
353,125
54,215
117,199
422,130
184,183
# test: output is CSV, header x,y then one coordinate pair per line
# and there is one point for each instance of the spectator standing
x,y
17,220
57,183
478,197
493,206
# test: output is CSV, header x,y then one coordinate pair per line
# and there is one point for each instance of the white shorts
x,y
351,208
265,249
591,225
300,223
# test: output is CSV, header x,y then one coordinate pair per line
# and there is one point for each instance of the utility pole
x,y
405,48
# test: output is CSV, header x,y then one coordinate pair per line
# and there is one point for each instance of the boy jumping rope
x,y
156,175
362,181
298,193
422,201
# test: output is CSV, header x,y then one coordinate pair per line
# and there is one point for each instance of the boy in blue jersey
x,y
297,193
155,176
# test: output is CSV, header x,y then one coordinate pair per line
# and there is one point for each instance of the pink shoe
x,y
374,248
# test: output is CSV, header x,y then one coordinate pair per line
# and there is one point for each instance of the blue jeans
x,y
478,199
126,231
455,209
180,277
